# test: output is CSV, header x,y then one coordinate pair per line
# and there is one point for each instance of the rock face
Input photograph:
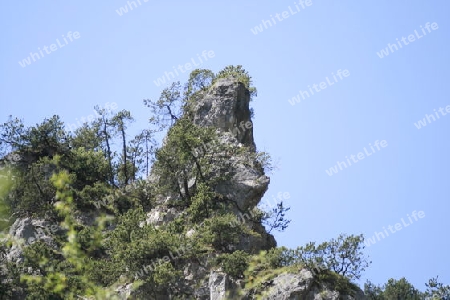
x,y
301,286
290,286
26,231
226,107
218,285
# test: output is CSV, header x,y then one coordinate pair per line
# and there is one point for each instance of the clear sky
x,y
116,56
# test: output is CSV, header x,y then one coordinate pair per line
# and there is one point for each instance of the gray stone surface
x,y
27,231
226,107
301,286
290,286
218,285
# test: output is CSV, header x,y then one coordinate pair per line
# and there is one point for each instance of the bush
x,y
234,264
220,234
342,255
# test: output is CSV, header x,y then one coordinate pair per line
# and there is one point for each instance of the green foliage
x,y
70,277
45,139
265,160
126,170
6,184
135,245
176,162
437,290
93,195
88,173
32,193
12,136
239,73
402,289
234,264
373,292
202,203
142,150
139,194
165,274
393,289
219,234
90,166
168,108
342,255
87,137
262,269
337,282
199,80
276,218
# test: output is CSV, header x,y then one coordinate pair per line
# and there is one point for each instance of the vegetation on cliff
x,y
97,173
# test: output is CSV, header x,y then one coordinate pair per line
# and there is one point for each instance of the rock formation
x,y
224,106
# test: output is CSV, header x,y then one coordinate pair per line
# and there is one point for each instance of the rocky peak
x,y
226,107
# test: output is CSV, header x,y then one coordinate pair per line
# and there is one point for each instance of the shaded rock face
x,y
26,231
218,285
290,286
247,185
226,107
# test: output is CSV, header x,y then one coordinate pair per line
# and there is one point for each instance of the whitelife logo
x,y
323,85
423,123
411,38
360,155
53,47
398,226
123,10
91,118
280,17
187,66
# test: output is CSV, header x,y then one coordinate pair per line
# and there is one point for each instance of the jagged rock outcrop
x,y
27,231
301,286
290,286
226,107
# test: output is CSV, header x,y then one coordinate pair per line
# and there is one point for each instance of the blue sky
x,y
117,59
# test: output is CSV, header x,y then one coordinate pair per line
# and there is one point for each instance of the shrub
x,y
234,264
